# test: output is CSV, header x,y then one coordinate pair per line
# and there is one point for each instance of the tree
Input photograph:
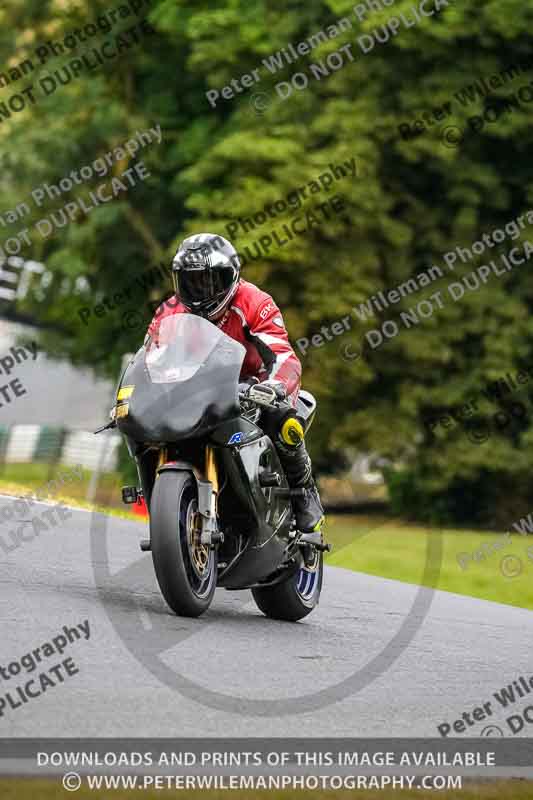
x,y
412,199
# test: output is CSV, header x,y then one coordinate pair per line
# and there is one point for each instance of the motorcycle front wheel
x,y
186,570
294,598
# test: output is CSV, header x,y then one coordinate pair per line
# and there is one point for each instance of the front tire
x,y
186,571
294,598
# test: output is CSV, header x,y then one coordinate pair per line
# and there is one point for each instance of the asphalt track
x,y
461,652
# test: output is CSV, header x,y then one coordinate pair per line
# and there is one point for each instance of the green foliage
x,y
490,497
411,498
411,202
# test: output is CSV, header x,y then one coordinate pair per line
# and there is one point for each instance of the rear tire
x,y
186,571
294,598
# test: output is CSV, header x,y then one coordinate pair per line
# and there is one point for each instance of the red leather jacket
x,y
254,320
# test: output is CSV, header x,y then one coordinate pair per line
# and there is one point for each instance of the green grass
x,y
19,479
395,549
18,789
37,475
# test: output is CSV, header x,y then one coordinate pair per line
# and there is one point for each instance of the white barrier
x,y
82,447
22,443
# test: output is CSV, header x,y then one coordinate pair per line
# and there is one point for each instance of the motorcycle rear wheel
x,y
295,598
186,571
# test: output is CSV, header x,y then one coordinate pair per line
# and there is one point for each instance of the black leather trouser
x,y
296,463
294,459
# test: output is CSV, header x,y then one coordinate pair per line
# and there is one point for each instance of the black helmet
x,y
205,272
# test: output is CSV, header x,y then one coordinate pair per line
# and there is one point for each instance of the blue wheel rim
x,y
307,583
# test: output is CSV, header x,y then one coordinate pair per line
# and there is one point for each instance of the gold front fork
x,y
162,457
210,524
211,468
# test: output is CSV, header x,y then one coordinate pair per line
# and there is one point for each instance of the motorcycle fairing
x,y
176,400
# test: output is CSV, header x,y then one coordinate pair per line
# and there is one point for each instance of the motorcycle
x,y
219,503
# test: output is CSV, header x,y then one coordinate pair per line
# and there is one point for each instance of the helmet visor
x,y
202,286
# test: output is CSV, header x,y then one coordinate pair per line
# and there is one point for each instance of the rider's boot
x,y
307,506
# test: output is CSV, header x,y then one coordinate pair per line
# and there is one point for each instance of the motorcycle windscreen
x,y
184,383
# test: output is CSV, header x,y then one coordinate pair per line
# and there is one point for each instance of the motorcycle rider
x,y
206,277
